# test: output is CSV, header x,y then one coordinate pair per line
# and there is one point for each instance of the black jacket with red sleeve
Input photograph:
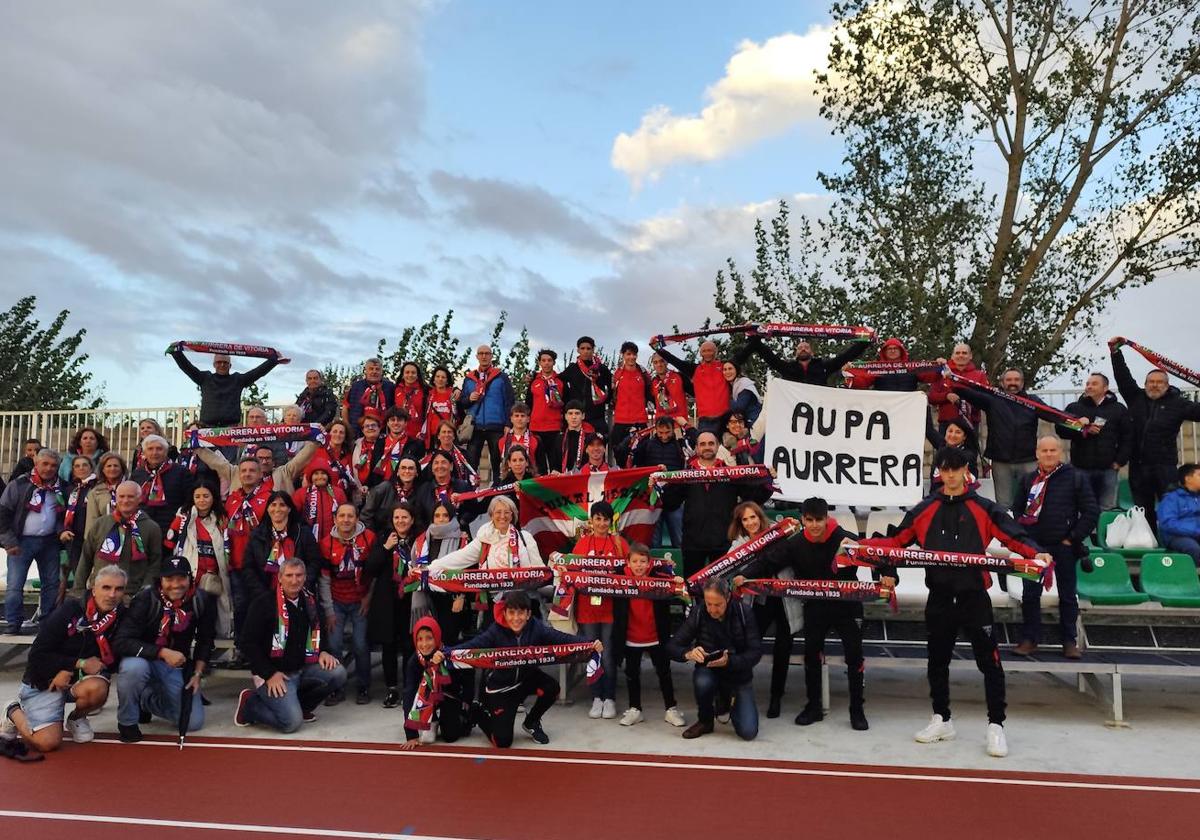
x,y
964,523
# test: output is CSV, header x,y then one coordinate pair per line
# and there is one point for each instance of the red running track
x,y
247,788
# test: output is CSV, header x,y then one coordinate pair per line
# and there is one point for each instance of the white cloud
x,y
766,89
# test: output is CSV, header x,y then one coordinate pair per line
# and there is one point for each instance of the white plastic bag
x,y
1117,531
1140,535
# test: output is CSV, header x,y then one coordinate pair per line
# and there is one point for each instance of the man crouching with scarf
x,y
69,662
294,670
155,642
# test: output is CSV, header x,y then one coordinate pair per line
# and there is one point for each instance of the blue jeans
x,y
606,687
744,714
1068,601
44,551
343,613
306,689
154,687
1184,545
1104,486
670,522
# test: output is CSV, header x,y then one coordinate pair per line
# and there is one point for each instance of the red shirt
x,y
441,407
240,524
527,440
642,630
352,585
941,389
613,545
712,391
412,399
630,387
546,403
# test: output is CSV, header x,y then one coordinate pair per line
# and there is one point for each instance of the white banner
x,y
850,447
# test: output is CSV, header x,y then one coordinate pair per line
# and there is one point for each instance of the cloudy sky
x,y
315,176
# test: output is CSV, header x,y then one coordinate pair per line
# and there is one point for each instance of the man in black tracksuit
x,y
1158,411
809,555
1055,503
956,519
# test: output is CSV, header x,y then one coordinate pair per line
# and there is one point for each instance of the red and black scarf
x,y
552,390
411,398
153,493
282,547
78,495
312,645
243,518
346,556
1174,368
99,625
664,403
592,372
319,503
393,451
1037,496
482,379
580,458
175,616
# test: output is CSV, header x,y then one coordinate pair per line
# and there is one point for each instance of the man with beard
x,y
1100,450
806,367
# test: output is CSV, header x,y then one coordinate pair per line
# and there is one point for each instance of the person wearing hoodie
x,y
317,403
892,350
318,500
165,626
437,698
1105,445
946,400
1158,411
743,396
1179,514
345,589
956,519
505,689
1012,435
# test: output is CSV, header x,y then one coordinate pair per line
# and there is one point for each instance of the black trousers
x,y
500,708
772,613
1147,484
845,618
549,451
618,440
662,668
491,437
946,613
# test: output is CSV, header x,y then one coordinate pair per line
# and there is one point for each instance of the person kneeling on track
x,y
294,670
437,698
155,641
70,661
722,640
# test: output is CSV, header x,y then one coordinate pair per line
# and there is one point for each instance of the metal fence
x,y
119,425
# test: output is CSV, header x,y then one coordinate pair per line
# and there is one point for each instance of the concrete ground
x,y
1051,727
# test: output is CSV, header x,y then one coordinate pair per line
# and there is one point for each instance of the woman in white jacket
x,y
499,544
198,533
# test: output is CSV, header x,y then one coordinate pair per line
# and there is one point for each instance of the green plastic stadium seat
x,y
1106,519
672,554
1108,583
1170,579
776,515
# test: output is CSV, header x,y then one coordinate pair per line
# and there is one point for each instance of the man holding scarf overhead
x,y
220,390
1056,505
155,641
806,367
487,396
32,509
294,669
707,379
128,538
1158,411
70,662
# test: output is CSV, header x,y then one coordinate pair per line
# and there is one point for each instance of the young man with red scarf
x,y
345,594
546,398
166,486
1056,505
155,642
318,500
397,444
70,661
292,661
32,511
707,380
128,538
573,442
370,396
487,395
519,433
631,396
437,698
956,519
588,382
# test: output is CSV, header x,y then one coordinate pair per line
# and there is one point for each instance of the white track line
x,y
211,826
688,765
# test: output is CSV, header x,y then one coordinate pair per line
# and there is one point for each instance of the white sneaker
x,y
81,731
997,744
631,717
609,711
673,716
937,730
427,736
8,729
597,708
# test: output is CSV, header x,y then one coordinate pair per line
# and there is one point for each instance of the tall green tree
x,y
41,367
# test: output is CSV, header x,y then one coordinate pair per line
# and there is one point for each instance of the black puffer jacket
x,y
1012,429
137,634
320,406
736,632
1114,443
1069,510
1155,422
221,394
707,509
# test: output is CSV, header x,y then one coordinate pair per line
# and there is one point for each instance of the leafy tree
x,y
429,345
338,377
253,395
40,367
1013,166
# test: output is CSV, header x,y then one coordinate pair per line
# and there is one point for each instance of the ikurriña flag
x,y
554,507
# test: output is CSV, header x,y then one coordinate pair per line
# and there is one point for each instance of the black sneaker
x,y
309,716
335,698
858,721
809,716
773,707
392,699
363,698
130,734
535,731
144,717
